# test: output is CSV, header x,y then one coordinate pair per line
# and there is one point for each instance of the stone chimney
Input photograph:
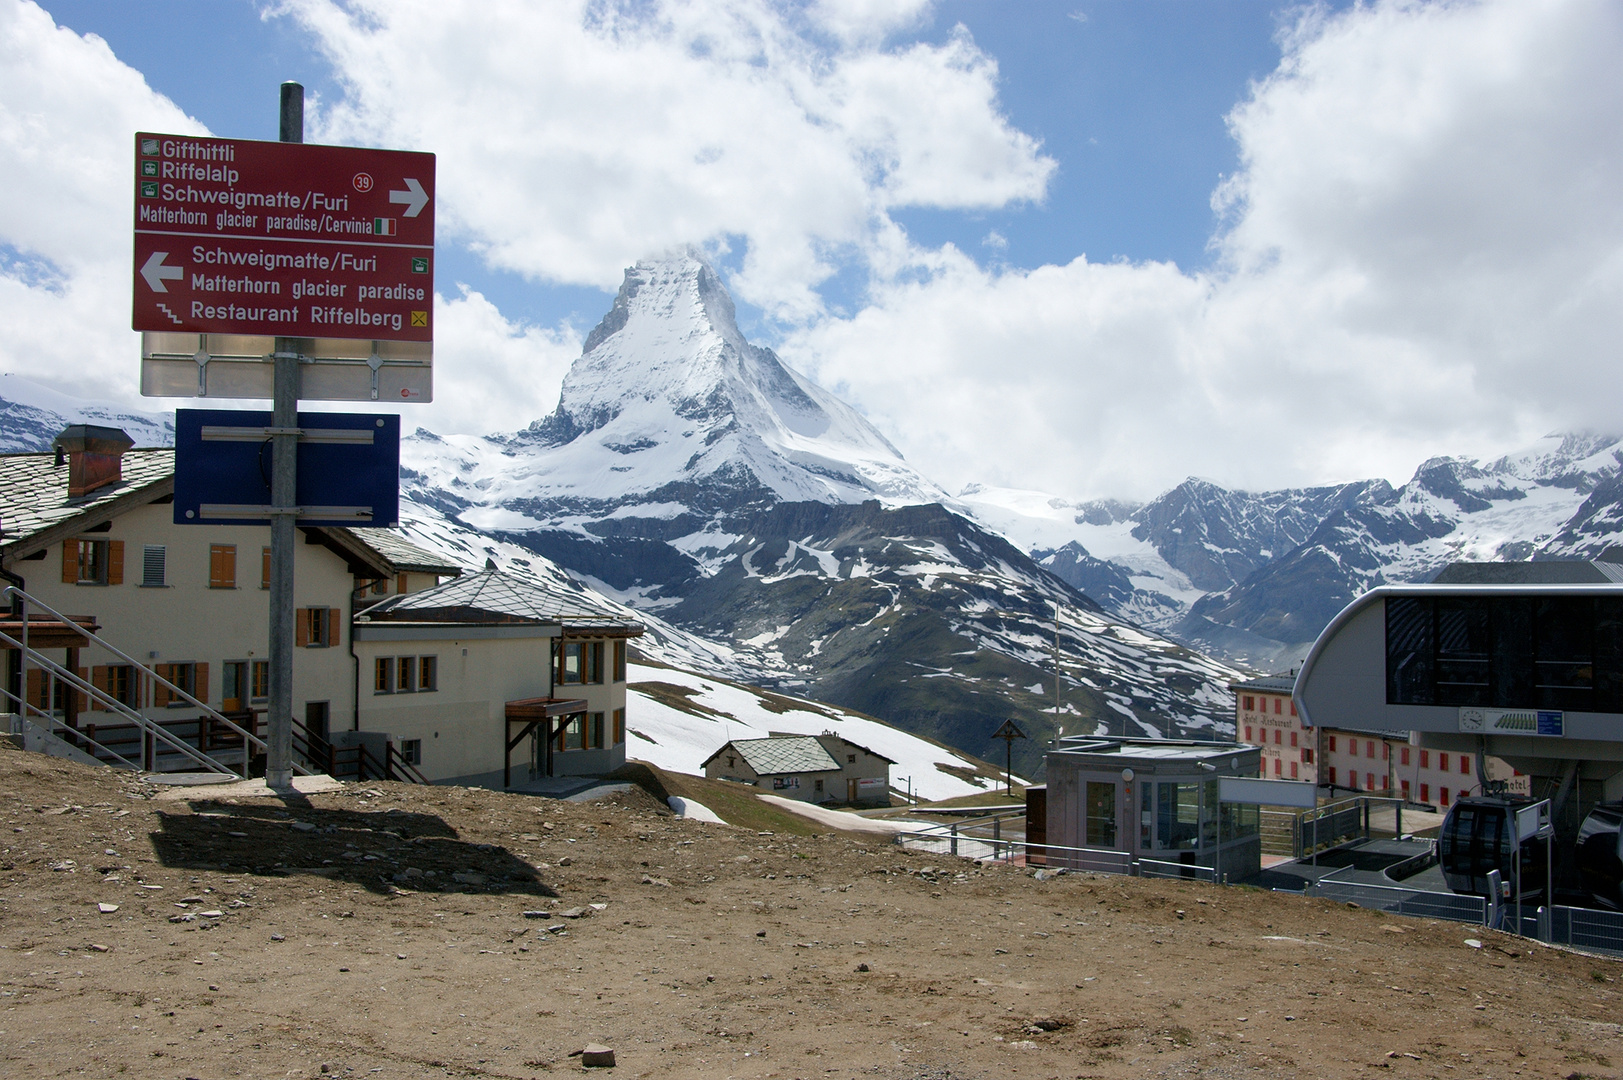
x,y
95,456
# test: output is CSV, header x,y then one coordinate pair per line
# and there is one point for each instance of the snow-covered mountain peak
x,y
670,410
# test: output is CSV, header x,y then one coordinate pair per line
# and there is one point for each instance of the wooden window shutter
x,y
115,562
301,629
200,688
230,551
264,569
70,561
160,693
98,679
400,583
332,627
619,726
36,688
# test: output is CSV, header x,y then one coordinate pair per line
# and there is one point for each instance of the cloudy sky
x,y
1088,248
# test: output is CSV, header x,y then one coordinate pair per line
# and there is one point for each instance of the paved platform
x,y
1364,862
177,786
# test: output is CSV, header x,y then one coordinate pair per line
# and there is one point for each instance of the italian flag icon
x,y
383,226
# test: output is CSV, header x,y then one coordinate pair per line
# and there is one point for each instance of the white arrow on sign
x,y
414,197
157,273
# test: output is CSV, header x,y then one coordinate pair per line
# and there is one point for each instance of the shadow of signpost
x,y
376,851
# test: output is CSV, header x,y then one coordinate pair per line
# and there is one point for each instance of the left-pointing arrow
x,y
157,273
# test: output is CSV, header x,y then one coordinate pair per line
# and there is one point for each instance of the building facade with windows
x,y
493,679
1265,717
812,768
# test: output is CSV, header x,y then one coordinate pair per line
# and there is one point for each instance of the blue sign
x,y
1549,723
349,468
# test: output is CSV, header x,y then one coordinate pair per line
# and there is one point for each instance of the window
x,y
818,786
1425,759
620,730
1369,749
1405,784
1279,705
192,678
383,675
428,673
93,562
1442,762
1101,814
1332,771
1279,766
261,676
1293,738
264,568
619,661
1307,755
1293,706
1293,770
594,662
850,759
222,566
411,751
1332,744
405,674
1250,703
1442,796
402,583
1248,733
117,681
1278,736
594,732
1465,765
317,628
1386,751
153,557
1352,780
572,663
1352,747
1403,755
1425,793
573,734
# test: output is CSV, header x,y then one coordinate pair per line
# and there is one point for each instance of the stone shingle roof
x,y
784,754
35,508
477,597
34,502
402,554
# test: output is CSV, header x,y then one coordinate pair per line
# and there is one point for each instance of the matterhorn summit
x,y
669,411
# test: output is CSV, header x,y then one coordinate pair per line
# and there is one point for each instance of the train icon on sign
x,y
362,181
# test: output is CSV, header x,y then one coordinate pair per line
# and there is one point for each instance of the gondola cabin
x,y
1600,855
1479,836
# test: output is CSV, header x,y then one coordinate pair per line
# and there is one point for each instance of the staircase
x,y
207,742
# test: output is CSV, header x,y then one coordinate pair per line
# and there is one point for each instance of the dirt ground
x,y
397,931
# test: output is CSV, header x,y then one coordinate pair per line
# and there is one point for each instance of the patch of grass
x,y
735,804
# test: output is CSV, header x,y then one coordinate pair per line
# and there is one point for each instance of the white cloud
x,y
68,116
1424,254
575,138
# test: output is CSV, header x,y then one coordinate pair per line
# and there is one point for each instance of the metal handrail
x,y
52,720
146,725
252,740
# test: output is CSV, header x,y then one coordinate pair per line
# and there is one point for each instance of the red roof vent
x,y
95,456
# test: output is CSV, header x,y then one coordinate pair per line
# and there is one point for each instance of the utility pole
x,y
284,514
1056,675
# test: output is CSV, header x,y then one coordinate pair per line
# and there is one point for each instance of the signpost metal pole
x,y
284,513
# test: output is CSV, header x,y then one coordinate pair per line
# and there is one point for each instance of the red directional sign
x,y
283,239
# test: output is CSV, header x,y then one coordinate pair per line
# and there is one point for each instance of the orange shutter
x,y
200,690
160,693
229,559
36,687
98,678
115,562
332,627
264,569
400,583
301,628
70,561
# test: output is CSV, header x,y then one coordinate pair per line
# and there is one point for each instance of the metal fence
x,y
1420,903
1589,929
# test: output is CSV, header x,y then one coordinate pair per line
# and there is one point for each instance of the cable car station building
x,y
1520,661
